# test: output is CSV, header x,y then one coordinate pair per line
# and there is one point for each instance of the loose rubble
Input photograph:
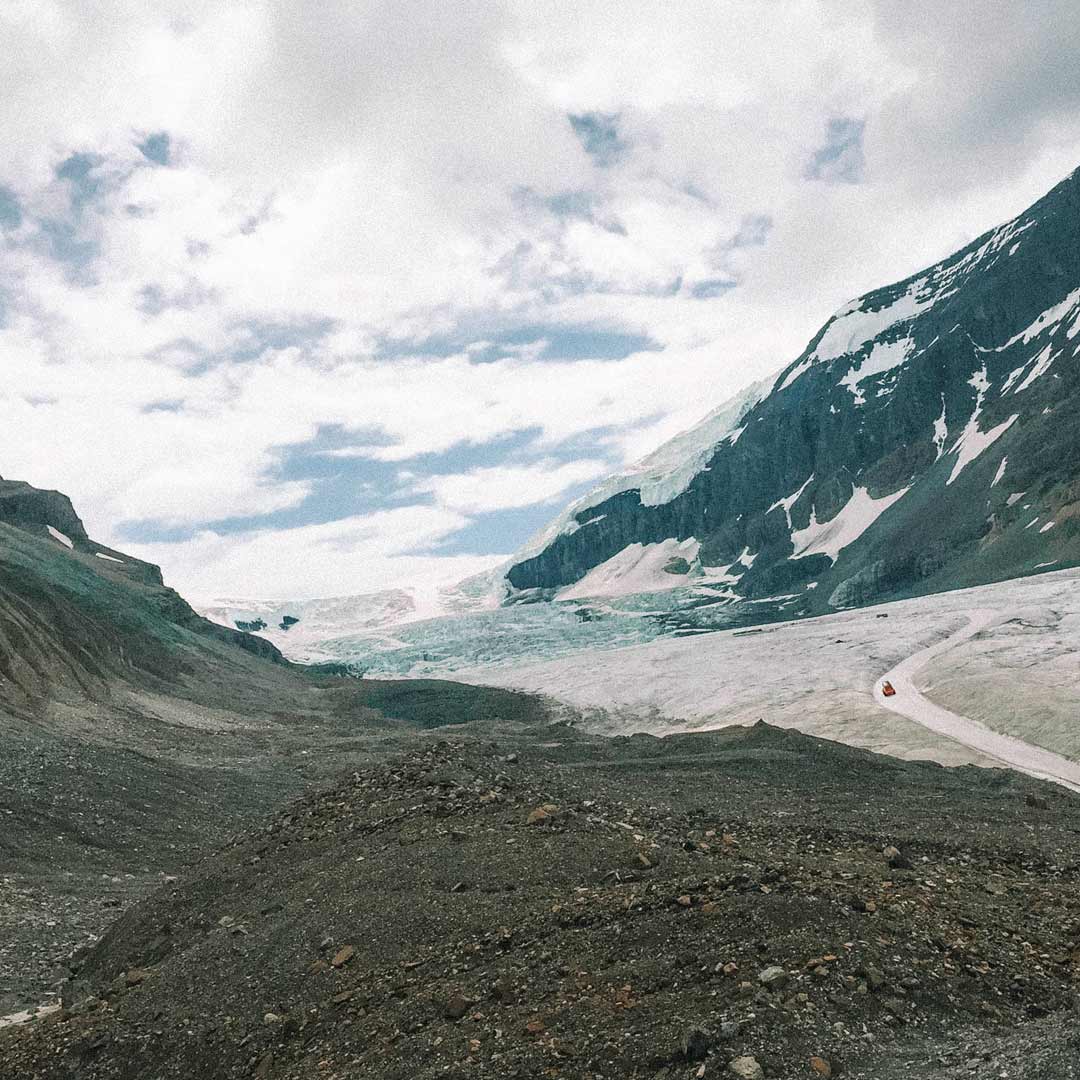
x,y
685,909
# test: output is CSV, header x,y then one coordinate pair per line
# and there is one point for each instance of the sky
x,y
317,299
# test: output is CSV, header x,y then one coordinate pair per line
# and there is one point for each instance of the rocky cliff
x,y
78,614
927,438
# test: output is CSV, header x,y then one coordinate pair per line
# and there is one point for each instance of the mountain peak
x,y
888,459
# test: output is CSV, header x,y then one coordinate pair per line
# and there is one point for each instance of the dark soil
x,y
410,921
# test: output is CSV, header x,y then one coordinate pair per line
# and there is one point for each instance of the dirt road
x,y
911,703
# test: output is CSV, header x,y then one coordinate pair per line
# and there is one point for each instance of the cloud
x,y
534,241
156,147
10,211
506,487
359,554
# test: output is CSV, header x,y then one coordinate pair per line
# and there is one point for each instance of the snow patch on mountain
x,y
794,373
56,534
1041,366
746,559
973,442
988,252
832,536
852,327
789,501
941,430
1050,319
638,568
884,356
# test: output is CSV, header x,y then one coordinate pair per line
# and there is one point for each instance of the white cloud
x,y
508,487
378,173
354,555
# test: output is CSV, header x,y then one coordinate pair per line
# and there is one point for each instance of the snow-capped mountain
x,y
661,475
927,438
304,629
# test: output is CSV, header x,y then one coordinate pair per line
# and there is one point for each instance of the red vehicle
x,y
887,689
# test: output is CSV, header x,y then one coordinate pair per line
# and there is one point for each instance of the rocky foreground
x,y
749,903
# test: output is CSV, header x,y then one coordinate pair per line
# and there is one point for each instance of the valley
x,y
632,801
1017,674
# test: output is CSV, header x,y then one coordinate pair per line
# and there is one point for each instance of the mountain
x,y
927,438
75,613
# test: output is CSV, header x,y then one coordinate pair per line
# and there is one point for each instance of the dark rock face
x,y
48,513
34,510
956,390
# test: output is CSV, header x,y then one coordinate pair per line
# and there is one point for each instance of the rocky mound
x,y
747,902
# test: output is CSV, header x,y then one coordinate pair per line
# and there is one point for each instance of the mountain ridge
x,y
882,425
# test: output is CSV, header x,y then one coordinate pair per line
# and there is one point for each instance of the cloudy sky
x,y
310,299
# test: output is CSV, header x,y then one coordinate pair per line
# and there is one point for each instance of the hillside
x,y
134,732
625,908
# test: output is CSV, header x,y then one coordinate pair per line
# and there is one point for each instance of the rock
x,y
821,1066
896,859
684,900
456,1007
773,978
343,956
695,1044
135,976
272,1018
746,1068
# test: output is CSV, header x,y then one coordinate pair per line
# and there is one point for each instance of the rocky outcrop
x,y
76,616
927,438
34,510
